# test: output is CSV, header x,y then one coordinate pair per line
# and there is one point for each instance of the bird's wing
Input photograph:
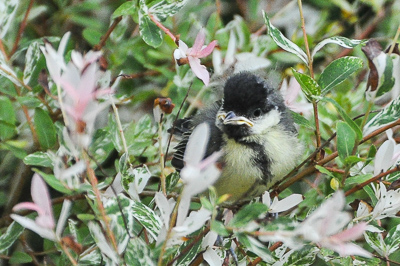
x,y
184,127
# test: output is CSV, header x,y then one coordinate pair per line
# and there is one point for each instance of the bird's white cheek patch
x,y
269,120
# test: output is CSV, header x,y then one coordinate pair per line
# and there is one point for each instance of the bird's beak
x,y
230,118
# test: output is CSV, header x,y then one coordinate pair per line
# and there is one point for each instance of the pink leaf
x,y
199,70
207,50
198,43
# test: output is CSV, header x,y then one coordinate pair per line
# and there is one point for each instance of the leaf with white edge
x,y
388,115
392,240
127,8
138,253
304,256
342,41
166,8
135,181
91,256
284,42
7,72
337,71
384,75
7,13
187,257
309,86
8,238
38,158
149,31
102,242
256,247
31,60
346,138
120,222
346,117
375,241
148,218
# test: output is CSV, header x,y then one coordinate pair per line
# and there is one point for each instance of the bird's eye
x,y
257,112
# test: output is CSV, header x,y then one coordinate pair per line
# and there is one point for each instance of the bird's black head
x,y
247,101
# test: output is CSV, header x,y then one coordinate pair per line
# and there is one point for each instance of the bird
x,y
256,133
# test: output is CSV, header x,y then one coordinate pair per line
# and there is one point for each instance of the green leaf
x,y
38,159
219,227
345,140
8,238
86,217
247,214
342,41
148,218
301,120
44,126
256,247
388,115
92,36
19,257
29,101
52,181
308,85
284,42
358,179
7,119
337,71
323,170
149,31
127,8
31,61
346,117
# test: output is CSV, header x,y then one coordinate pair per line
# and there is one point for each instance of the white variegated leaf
x,y
31,59
7,13
388,115
102,242
339,40
284,42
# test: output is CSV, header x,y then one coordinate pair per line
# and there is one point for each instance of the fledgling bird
x,y
255,131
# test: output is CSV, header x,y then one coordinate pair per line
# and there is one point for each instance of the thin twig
x,y
93,182
21,28
311,169
104,38
163,28
394,41
369,181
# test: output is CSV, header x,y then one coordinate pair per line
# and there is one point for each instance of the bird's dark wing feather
x,y
184,128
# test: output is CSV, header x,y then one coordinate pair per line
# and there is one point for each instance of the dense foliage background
x,y
79,81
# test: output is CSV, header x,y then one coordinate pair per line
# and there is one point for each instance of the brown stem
x,y
164,29
369,181
93,182
21,28
188,247
311,169
104,38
